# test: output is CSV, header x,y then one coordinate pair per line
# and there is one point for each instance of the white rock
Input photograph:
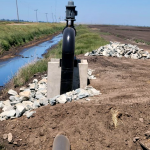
x,y
44,102
35,81
10,137
8,114
32,86
20,109
43,81
93,92
1,104
62,99
6,103
87,54
22,89
28,105
134,56
7,108
29,114
12,92
25,94
36,104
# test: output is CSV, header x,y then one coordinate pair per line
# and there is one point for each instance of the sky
x,y
116,12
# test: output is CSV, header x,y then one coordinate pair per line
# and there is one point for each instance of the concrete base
x,y
54,76
83,69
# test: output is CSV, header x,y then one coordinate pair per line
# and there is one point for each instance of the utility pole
x,y
46,16
36,15
17,10
52,17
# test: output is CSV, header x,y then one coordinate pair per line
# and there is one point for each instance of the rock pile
x,y
36,96
115,49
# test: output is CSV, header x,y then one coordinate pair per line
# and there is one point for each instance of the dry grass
x,y
115,117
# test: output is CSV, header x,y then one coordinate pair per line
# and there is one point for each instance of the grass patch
x,y
13,35
141,41
86,41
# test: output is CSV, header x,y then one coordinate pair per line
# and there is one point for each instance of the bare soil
x,y
124,84
125,34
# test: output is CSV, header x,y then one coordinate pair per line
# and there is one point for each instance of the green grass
x,y
86,41
141,41
13,35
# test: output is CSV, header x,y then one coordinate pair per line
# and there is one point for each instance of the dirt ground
x,y
124,84
124,34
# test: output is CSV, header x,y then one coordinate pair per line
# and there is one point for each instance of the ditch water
x,y
11,66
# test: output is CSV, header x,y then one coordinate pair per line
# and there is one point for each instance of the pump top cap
x,y
71,3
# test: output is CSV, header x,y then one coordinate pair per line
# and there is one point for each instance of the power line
x,y
36,15
17,10
46,16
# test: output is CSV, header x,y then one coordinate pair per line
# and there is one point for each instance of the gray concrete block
x,y
83,69
54,78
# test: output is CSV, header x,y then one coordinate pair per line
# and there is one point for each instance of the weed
x,y
115,116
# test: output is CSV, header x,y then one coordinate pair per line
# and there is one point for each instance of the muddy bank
x,y
14,51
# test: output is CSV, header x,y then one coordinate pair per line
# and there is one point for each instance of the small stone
x,y
87,54
5,136
7,108
20,109
25,94
13,98
36,104
43,81
39,96
22,89
147,134
28,105
87,99
62,99
83,93
52,101
10,137
30,114
35,81
135,139
141,119
44,102
1,104
15,143
32,86
69,99
12,92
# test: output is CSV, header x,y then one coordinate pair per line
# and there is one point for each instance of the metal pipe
x,y
61,143
67,60
68,49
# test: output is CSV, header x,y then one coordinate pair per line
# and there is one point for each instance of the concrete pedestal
x,y
54,76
